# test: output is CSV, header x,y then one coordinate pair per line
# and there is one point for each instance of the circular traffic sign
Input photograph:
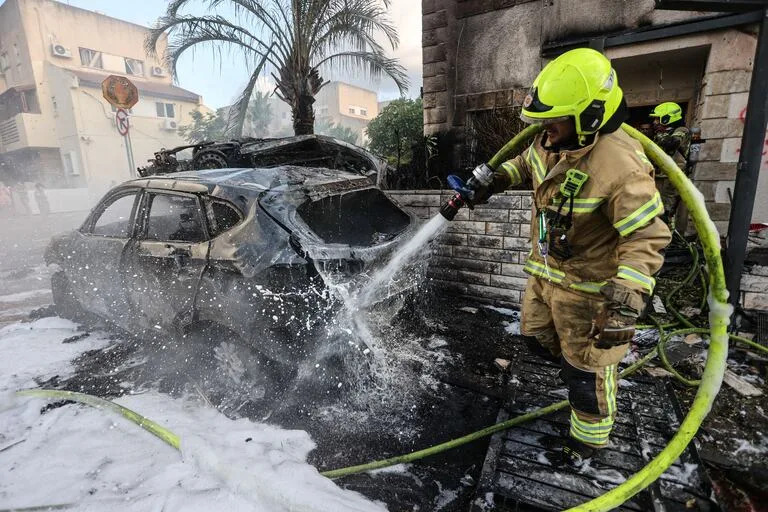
x,y
119,91
121,121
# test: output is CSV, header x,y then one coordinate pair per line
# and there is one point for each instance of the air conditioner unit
x,y
58,50
171,125
158,71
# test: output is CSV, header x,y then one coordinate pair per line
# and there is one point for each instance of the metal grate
x,y
517,476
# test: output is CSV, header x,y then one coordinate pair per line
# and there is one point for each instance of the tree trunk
x,y
304,115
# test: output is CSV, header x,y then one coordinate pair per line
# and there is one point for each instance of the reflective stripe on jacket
x,y
616,234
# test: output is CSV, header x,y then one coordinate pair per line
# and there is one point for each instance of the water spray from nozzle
x,y
476,188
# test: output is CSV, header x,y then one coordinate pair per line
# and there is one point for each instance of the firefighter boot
x,y
572,454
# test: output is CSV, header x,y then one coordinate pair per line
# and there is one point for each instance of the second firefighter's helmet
x,y
580,84
668,112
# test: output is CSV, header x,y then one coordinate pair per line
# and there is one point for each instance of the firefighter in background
x,y
671,134
596,235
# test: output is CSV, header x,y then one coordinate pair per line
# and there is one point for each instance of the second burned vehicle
x,y
302,150
238,251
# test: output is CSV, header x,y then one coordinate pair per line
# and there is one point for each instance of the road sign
x,y
119,91
121,121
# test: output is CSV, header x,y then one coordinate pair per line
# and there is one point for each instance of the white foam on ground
x,y
90,460
512,328
35,349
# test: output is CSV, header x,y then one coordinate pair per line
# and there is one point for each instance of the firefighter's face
x,y
560,132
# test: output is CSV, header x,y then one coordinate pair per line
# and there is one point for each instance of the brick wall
x,y
722,105
754,288
482,253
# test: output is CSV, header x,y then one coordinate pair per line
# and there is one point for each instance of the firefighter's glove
x,y
615,321
501,182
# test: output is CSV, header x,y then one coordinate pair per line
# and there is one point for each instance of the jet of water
x,y
401,258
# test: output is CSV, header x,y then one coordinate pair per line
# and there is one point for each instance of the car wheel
x,y
209,159
63,299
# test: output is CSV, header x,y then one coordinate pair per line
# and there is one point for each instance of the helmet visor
x,y
537,120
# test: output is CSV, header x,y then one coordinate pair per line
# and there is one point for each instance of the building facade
x,y
346,105
337,104
55,126
481,56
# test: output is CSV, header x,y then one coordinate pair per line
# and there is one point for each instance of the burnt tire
x,y
63,299
209,159
229,370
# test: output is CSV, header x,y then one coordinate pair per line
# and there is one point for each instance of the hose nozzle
x,y
452,207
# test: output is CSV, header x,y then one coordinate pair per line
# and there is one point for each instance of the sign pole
x,y
129,154
122,94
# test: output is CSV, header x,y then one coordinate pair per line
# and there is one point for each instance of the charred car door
x,y
98,249
165,265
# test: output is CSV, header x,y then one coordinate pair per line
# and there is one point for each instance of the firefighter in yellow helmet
x,y
596,235
671,134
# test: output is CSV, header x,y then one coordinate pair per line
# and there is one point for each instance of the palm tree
x,y
295,38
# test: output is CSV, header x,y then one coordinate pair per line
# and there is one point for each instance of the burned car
x,y
302,150
243,251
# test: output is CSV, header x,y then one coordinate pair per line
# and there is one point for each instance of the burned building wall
x,y
481,57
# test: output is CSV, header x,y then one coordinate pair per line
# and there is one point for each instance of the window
x,y
29,101
174,218
91,58
115,218
351,110
134,67
164,109
71,163
363,112
14,101
225,217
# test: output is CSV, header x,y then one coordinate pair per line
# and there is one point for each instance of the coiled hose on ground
x,y
709,385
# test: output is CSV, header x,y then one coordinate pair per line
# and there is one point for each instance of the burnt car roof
x,y
249,183
310,151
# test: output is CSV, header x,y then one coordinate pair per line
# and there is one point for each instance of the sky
x,y
220,80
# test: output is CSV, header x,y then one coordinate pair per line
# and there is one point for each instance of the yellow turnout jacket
x,y
616,233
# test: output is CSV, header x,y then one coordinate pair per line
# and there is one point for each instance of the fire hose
x,y
711,379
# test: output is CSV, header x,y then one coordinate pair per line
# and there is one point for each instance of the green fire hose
x,y
94,401
708,388
719,317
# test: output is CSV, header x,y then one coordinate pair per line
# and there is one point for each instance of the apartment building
x,y
347,105
337,103
55,126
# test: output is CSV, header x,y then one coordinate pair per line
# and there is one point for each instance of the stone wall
x,y
754,288
482,253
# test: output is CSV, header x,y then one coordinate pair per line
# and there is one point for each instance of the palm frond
x,y
375,64
239,109
363,17
268,18
188,31
295,38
